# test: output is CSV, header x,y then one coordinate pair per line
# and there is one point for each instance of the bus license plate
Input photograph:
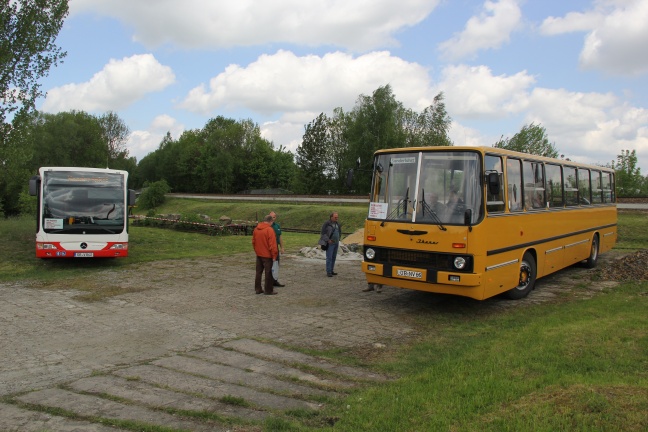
x,y
411,274
83,255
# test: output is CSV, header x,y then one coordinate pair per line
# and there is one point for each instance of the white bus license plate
x,y
409,274
83,255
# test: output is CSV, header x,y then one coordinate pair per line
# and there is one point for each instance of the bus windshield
x,y
80,202
427,187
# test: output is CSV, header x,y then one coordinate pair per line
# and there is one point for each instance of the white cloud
x,y
358,24
142,142
284,82
617,35
474,92
490,30
589,127
119,84
285,133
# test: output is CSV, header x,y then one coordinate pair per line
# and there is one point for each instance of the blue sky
x,y
578,68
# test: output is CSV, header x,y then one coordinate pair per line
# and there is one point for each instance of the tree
x,y
73,138
313,159
27,52
115,134
629,180
531,139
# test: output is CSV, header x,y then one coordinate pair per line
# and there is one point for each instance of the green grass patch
x,y
578,365
305,216
632,232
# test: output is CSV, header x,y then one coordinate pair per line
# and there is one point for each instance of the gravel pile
x,y
632,267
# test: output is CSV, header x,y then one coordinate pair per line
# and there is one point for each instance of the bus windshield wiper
x,y
432,213
397,212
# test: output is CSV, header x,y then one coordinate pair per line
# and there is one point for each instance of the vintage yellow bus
x,y
481,221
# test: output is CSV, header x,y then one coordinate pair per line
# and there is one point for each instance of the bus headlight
x,y
370,253
459,263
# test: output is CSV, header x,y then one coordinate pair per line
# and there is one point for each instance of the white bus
x,y
81,212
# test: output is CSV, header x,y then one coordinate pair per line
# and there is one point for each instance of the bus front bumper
x,y
464,284
76,250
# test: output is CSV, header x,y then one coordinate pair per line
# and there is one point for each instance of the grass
x,y
578,364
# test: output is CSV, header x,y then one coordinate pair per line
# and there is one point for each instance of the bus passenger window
x,y
571,186
514,180
554,185
584,187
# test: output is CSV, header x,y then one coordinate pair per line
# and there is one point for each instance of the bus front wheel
x,y
594,252
526,280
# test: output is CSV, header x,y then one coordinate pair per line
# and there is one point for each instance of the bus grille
x,y
428,260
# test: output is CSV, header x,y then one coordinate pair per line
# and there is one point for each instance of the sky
x,y
578,68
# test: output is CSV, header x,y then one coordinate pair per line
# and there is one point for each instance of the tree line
x,y
226,155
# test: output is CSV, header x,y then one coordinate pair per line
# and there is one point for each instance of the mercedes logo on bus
x,y
84,245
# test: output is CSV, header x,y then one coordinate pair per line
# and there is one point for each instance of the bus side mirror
x,y
33,185
493,181
131,197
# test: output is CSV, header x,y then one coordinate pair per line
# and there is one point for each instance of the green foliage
x,y
27,52
531,139
27,203
314,157
115,134
153,195
629,180
226,156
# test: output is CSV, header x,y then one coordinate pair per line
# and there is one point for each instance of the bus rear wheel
x,y
594,252
527,278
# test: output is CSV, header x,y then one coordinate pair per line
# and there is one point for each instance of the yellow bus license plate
x,y
408,274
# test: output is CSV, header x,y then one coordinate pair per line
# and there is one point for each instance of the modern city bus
x,y
82,212
481,221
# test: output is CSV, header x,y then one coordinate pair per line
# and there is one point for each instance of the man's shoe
x,y
259,292
334,274
369,288
329,274
278,284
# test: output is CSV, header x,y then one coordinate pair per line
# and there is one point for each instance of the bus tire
x,y
594,253
527,278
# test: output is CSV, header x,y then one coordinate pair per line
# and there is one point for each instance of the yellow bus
x,y
481,221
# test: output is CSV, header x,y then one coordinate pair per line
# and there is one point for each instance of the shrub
x,y
153,195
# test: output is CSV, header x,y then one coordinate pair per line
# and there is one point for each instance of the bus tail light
x,y
120,246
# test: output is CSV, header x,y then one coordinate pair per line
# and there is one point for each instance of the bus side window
x,y
534,189
571,186
608,192
584,187
554,185
514,181
494,202
597,191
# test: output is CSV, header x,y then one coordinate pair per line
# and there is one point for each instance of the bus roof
x,y
494,150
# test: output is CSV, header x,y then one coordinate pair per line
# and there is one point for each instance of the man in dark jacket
x,y
330,238
265,246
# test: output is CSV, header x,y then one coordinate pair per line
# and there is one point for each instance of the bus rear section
x,y
82,212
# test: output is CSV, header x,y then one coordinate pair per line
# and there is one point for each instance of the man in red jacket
x,y
264,242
